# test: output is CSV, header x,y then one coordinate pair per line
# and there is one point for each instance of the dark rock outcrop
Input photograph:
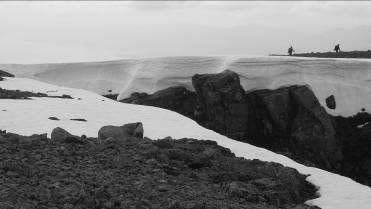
x,y
288,120
330,102
111,96
223,103
18,94
127,130
354,133
79,119
284,120
36,172
291,121
5,74
176,98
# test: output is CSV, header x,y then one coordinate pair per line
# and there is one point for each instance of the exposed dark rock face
x,y
288,120
80,172
18,94
223,103
176,98
355,136
330,102
5,74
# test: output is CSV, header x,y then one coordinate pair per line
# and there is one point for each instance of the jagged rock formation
x,y
130,172
223,103
288,120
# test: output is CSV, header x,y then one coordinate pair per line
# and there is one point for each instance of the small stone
x,y
53,118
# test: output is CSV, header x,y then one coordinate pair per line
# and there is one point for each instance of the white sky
x,y
34,32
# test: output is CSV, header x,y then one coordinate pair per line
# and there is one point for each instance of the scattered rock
x,y
121,132
330,102
79,119
53,118
133,173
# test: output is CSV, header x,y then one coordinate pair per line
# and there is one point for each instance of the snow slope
x,y
31,116
349,80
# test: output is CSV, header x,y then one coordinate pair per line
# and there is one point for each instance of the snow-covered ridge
x,y
349,80
31,116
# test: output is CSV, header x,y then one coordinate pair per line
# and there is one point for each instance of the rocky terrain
x,y
350,54
5,74
121,169
18,94
288,120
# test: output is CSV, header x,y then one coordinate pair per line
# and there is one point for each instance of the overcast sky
x,y
36,32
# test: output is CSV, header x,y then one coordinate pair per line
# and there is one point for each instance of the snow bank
x,y
31,116
349,80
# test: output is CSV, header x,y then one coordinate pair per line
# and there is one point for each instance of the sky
x,y
57,31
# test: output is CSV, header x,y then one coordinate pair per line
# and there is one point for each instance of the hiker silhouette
x,y
290,50
337,48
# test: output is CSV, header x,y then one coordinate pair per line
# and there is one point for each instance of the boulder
x,y
330,102
60,135
121,132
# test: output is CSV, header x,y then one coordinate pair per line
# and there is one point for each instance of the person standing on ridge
x,y
290,51
337,48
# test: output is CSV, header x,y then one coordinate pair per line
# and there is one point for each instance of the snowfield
x,y
349,80
31,116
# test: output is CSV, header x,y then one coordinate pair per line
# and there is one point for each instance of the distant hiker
x,y
290,50
337,48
